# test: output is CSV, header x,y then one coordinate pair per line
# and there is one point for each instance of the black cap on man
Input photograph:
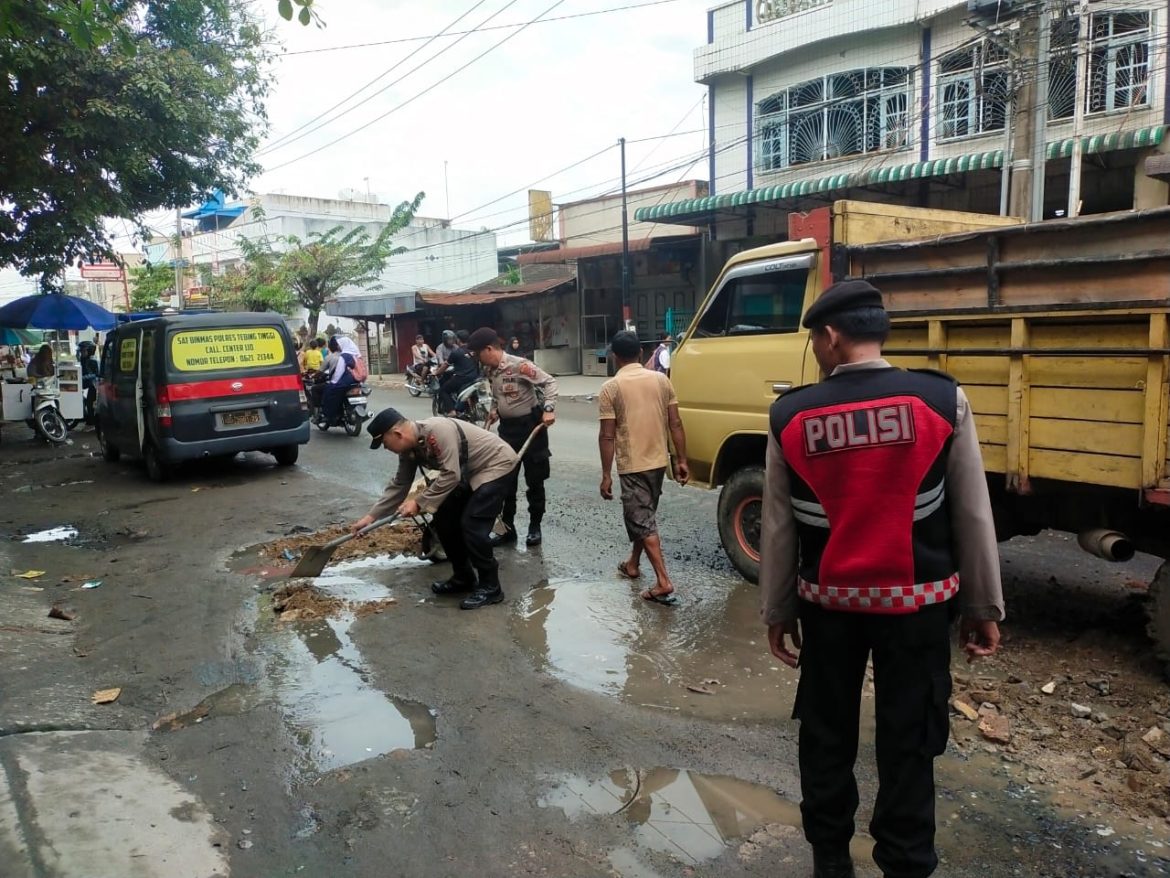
x,y
384,420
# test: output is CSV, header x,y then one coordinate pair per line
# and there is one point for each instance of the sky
x,y
549,96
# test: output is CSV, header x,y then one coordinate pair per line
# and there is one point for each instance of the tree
x,y
319,267
257,284
111,108
148,284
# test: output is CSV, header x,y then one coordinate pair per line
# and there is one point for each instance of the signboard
x,y
102,271
214,349
128,355
540,215
770,10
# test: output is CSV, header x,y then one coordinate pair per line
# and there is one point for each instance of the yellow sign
x,y
128,355
214,349
540,215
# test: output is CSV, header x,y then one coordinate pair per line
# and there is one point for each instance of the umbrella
x,y
20,336
55,311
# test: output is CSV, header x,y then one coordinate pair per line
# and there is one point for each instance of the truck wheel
x,y
286,455
741,505
1158,610
157,470
110,451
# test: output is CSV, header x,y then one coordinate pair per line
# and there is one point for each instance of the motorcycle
x,y
426,383
473,403
354,412
46,417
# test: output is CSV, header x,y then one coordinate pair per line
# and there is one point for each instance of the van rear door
x,y
230,381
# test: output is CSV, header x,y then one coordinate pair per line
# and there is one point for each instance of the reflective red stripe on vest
x,y
891,599
232,387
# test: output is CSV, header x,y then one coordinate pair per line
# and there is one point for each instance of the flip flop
x,y
667,600
625,574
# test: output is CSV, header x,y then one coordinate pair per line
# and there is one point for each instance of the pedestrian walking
x,y
465,497
876,532
638,409
523,395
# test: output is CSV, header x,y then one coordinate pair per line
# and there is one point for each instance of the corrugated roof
x,y
479,296
566,253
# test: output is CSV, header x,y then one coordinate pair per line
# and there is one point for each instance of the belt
x,y
880,598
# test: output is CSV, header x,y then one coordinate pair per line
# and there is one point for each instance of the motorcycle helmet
x,y
448,337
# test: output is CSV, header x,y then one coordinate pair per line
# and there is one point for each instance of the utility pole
x,y
1031,116
179,256
626,316
1081,67
1040,111
447,190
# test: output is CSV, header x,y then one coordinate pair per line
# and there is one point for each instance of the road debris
x,y
106,696
31,574
996,728
1080,711
62,614
92,583
964,709
1049,687
399,539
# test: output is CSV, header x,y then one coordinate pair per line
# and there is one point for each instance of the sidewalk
x,y
577,388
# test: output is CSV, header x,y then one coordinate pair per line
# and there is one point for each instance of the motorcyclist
x,y
459,372
421,358
319,381
340,380
449,345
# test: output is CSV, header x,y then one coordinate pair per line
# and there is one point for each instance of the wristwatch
x,y
549,407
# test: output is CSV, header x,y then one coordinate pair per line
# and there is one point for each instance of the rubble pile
x,y
398,539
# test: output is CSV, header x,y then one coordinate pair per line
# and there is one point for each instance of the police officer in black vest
x,y
877,533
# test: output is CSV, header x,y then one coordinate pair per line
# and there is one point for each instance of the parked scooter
x,y
354,412
46,407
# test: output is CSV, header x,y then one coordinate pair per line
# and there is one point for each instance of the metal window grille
x,y
973,91
1118,69
842,114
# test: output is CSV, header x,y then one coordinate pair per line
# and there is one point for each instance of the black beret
x,y
383,421
482,337
846,295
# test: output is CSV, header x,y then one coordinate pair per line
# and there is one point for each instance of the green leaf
x,y
306,16
286,9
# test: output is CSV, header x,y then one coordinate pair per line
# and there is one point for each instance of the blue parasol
x,y
55,311
26,337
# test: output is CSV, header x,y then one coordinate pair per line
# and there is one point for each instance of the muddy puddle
x,y
707,657
316,674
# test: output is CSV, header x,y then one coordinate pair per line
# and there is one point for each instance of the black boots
x,y
534,537
507,538
457,584
482,597
833,864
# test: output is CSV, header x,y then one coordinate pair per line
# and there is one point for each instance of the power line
x,y
285,140
479,30
420,94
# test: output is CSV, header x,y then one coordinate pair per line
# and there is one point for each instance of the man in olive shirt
x,y
638,409
877,531
523,396
465,498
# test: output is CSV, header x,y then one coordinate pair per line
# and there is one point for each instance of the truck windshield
x,y
756,304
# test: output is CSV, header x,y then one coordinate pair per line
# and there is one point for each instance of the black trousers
x,y
515,431
912,682
464,526
450,387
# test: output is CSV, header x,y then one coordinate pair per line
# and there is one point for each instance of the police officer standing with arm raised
x,y
523,395
877,531
475,468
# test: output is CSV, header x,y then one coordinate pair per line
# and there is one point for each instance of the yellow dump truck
x,y
1058,332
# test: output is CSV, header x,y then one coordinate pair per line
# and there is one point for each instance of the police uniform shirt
x,y
515,382
488,458
980,589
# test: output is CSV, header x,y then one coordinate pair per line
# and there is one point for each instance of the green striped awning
x,y
692,209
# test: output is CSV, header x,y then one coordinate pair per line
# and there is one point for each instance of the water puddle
x,y
601,636
319,679
52,535
688,816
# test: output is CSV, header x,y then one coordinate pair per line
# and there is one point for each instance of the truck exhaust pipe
x,y
1105,543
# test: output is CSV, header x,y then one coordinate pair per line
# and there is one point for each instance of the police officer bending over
x,y
474,470
877,532
523,395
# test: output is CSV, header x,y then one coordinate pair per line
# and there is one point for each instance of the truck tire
x,y
741,505
1158,610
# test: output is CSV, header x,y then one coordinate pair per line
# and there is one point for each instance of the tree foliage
x,y
323,264
148,284
257,284
111,108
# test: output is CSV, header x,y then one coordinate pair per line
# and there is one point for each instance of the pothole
x,y
688,816
707,658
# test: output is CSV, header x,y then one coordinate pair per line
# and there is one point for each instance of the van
x,y
185,386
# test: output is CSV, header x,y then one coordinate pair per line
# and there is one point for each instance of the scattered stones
x,y
996,728
1101,686
1049,687
244,844
1136,755
1158,741
1080,711
963,708
986,696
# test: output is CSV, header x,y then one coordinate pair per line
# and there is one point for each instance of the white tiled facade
x,y
750,64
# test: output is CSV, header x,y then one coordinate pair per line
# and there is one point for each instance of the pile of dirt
x,y
398,539
1084,716
301,601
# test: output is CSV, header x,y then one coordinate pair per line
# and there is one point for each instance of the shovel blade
x,y
313,561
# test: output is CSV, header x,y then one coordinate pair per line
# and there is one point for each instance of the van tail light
x,y
163,407
304,401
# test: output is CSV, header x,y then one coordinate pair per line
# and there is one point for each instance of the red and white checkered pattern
x,y
880,598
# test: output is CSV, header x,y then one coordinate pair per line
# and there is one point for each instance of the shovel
x,y
315,558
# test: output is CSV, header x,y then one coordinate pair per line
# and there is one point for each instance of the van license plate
x,y
246,418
